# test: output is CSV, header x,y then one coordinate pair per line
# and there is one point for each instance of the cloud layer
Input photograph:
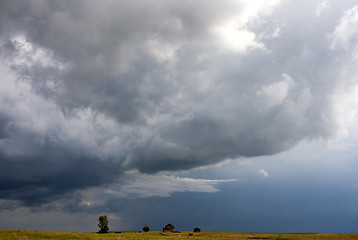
x,y
90,90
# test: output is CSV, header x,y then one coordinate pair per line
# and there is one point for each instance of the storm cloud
x,y
93,89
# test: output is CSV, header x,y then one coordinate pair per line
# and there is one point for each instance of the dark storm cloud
x,y
95,88
39,179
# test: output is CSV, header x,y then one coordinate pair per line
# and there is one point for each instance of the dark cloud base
x,y
42,180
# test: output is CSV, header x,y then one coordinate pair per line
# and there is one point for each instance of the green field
x,y
38,235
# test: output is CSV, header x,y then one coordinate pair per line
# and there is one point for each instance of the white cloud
x,y
345,97
345,33
345,36
162,185
232,31
233,39
275,93
321,7
264,173
29,54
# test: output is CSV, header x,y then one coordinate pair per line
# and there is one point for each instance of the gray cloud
x,y
91,90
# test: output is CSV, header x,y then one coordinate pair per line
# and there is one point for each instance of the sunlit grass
x,y
38,235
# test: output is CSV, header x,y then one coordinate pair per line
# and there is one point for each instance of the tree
x,y
103,224
146,228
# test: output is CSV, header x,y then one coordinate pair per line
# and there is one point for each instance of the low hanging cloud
x,y
91,90
162,185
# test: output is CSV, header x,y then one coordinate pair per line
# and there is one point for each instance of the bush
x,y
146,229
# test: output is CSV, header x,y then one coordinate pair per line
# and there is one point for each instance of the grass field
x,y
38,235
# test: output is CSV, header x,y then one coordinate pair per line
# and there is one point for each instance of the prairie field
x,y
38,235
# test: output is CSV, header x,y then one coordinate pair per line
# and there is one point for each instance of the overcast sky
x,y
230,115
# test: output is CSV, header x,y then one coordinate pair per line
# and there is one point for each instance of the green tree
x,y
146,228
103,224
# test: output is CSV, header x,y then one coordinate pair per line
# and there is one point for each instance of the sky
x,y
231,115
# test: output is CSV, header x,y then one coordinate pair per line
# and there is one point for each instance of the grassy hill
x,y
38,235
